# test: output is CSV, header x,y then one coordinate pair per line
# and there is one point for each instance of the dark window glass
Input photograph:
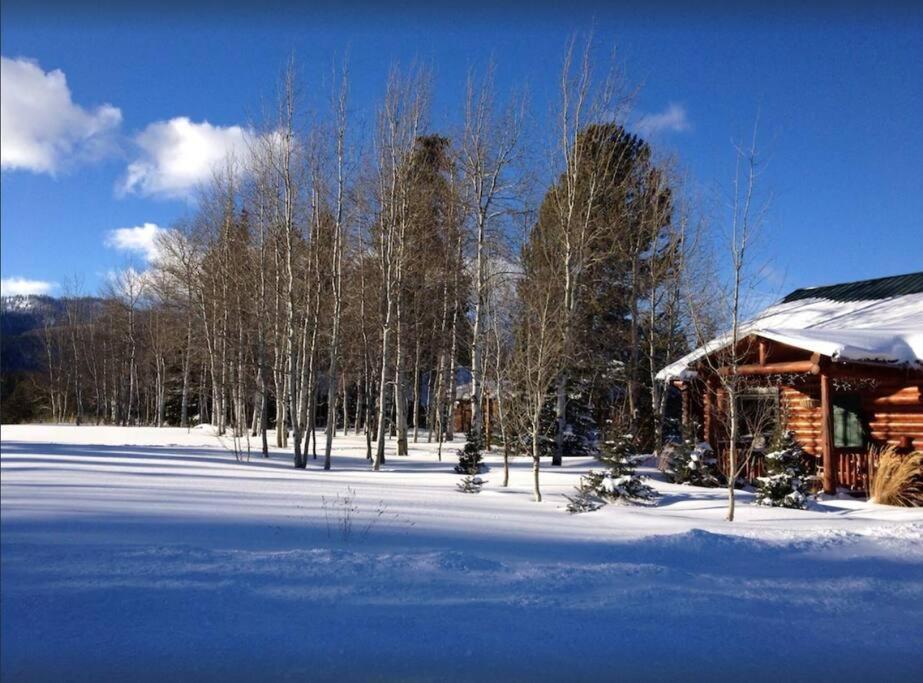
x,y
848,431
758,415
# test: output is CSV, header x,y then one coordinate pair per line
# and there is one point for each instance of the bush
x,y
470,455
787,483
898,479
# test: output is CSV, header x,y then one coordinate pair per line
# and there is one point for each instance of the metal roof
x,y
863,290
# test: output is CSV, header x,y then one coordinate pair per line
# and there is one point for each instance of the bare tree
x,y
746,218
400,123
538,352
336,265
488,150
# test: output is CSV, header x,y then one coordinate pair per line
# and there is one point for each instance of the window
x,y
758,415
848,431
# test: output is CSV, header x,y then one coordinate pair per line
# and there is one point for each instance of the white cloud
x,y
40,126
129,283
20,286
141,239
177,155
672,120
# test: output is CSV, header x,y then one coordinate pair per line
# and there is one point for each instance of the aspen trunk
x,y
383,389
536,462
345,405
560,411
416,391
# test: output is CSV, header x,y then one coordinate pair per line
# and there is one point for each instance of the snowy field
x,y
148,555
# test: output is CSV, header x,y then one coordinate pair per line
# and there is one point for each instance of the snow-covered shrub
x,y
470,455
693,463
617,484
787,483
471,484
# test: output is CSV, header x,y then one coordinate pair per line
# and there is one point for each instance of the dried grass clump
x,y
898,479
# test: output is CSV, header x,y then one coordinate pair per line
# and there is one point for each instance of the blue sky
x,y
839,94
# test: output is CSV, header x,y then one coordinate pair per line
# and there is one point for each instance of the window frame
x,y
770,395
848,421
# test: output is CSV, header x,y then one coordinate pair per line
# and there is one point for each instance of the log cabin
x,y
840,366
461,413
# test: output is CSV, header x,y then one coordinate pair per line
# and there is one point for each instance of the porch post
x,y
826,407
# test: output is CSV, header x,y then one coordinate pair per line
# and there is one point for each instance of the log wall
x,y
893,415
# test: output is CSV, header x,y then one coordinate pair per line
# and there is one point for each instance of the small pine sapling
x,y
585,500
470,455
471,484
617,484
787,483
693,463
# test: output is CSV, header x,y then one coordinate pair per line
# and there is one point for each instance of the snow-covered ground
x,y
152,554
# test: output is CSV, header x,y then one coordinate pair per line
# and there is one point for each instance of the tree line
x,y
355,282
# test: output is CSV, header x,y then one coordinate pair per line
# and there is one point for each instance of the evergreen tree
x,y
787,483
608,219
617,484
470,455
471,484
693,463
581,434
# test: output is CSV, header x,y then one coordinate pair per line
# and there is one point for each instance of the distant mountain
x,y
30,303
21,317
21,321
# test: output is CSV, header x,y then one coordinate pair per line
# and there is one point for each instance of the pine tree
x,y
693,462
471,484
617,484
581,436
787,483
470,455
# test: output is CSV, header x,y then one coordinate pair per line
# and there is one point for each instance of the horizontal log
x,y
806,419
917,444
910,413
909,421
901,399
893,373
802,434
885,434
793,367
898,418
913,389
802,409
796,397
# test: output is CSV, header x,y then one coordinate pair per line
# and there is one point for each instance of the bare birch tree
x,y
489,148
746,217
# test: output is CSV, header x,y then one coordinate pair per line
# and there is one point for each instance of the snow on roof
x,y
876,329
